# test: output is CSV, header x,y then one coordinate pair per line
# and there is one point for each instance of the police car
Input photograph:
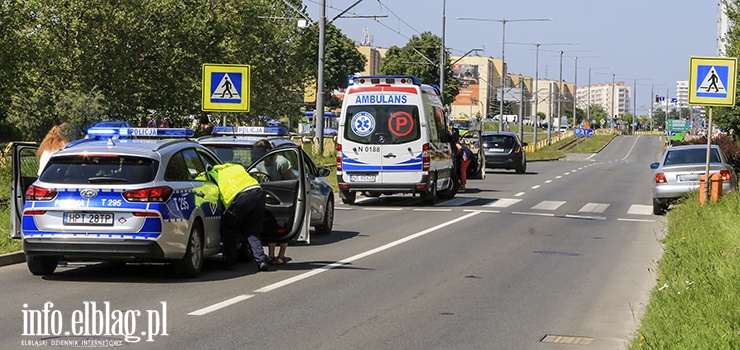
x,y
233,144
125,194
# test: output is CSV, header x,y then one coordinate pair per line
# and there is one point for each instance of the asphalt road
x,y
568,249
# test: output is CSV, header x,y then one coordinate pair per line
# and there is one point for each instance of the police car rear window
x,y
382,124
233,153
100,169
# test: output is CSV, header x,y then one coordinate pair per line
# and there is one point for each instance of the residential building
x,y
615,99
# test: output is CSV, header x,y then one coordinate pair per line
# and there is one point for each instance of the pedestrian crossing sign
x,y
712,81
225,88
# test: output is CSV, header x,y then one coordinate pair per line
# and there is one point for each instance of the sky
x,y
644,42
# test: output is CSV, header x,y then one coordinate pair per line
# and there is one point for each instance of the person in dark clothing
x,y
463,157
205,125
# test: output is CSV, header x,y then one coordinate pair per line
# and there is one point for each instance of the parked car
x,y
504,150
233,144
679,170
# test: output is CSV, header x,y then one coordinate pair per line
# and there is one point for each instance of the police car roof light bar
x,y
115,133
384,79
250,130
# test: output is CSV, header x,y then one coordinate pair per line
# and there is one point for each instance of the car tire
x,y
191,264
450,192
430,197
348,197
326,227
522,168
41,265
659,208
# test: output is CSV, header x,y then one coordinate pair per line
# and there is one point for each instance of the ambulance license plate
x,y
362,178
100,219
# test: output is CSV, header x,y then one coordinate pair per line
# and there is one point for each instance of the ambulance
x,y
393,138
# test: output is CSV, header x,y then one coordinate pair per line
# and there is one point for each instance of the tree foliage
x,y
728,118
420,58
84,61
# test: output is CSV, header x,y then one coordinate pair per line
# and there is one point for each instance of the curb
x,y
12,258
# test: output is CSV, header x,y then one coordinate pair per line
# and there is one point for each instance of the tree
x,y
728,118
420,58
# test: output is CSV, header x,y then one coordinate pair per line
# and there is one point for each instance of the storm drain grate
x,y
566,339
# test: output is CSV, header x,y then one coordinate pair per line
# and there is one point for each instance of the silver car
x,y
679,170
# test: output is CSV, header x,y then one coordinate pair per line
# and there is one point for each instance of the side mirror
x,y
324,172
654,165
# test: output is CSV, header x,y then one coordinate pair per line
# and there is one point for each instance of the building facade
x,y
615,98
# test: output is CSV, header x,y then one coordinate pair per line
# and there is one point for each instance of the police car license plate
x,y
362,178
102,219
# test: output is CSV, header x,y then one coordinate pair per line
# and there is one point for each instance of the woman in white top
x,y
55,139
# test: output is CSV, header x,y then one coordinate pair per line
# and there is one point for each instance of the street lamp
x,y
634,100
575,86
536,81
503,51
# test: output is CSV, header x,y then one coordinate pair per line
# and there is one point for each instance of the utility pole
x,y
318,113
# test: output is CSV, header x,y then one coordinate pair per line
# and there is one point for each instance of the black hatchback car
x,y
504,150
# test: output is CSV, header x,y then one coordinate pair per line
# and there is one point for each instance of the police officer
x,y
244,203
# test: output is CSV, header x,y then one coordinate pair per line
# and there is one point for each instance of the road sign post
x,y
712,83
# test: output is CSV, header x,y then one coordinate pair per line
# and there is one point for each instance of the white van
x,y
393,138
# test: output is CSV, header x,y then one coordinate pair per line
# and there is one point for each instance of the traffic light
x,y
687,117
657,98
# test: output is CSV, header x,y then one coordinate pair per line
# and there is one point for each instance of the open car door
x,y
281,174
25,169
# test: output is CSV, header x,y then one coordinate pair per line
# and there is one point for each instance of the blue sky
x,y
638,39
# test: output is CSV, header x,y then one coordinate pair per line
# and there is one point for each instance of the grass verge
x,y
696,304
591,144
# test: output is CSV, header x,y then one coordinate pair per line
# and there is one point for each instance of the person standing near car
x,y
244,211
55,139
463,156
277,168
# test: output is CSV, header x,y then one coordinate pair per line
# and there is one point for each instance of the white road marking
x,y
633,146
566,174
519,194
383,209
557,177
639,209
456,202
482,211
636,220
588,217
548,181
594,207
221,305
429,209
548,205
503,202
535,214
535,187
361,255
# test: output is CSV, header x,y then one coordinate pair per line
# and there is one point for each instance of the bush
x,y
726,143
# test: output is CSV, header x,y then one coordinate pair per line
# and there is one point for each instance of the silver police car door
x,y
281,174
25,169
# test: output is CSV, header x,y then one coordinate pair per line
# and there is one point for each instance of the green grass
x,y
696,304
591,144
7,244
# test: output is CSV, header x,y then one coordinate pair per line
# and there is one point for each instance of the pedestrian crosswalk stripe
x,y
594,207
548,205
639,209
503,202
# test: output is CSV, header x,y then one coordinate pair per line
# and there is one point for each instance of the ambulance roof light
x,y
250,130
384,79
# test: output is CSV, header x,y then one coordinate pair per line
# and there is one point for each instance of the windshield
x,y
234,153
382,124
690,156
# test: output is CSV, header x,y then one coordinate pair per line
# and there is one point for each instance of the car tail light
x,y
34,212
146,214
35,193
425,157
726,176
339,157
152,194
517,149
660,178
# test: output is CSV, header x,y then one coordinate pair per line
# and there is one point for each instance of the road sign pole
x,y
707,183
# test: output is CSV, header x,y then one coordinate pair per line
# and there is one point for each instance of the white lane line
x,y
566,174
587,217
221,305
559,176
519,194
383,209
548,181
482,211
633,146
319,270
635,220
429,209
535,214
589,157
538,186
343,208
